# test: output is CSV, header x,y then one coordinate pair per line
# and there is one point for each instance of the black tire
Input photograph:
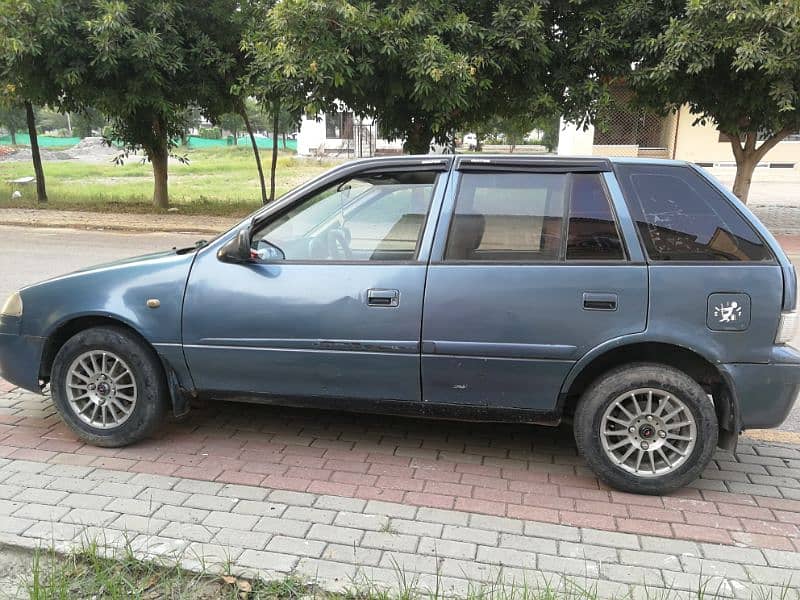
x,y
621,381
152,397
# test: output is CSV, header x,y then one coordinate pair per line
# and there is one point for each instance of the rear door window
x,y
508,217
682,217
592,233
519,217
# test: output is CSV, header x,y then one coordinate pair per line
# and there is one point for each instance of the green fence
x,y
261,142
194,142
45,141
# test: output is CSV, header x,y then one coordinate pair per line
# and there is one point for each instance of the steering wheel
x,y
339,244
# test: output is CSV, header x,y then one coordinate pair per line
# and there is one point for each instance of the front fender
x,y
120,292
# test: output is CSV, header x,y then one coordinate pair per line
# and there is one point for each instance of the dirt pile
x,y
24,153
92,149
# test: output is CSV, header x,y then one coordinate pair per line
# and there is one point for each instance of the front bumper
x,y
20,355
765,393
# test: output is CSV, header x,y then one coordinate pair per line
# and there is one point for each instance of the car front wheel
x,y
108,386
646,428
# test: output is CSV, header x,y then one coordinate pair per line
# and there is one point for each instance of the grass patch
x,y
217,181
93,572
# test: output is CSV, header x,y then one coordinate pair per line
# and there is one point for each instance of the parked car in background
x,y
470,141
636,299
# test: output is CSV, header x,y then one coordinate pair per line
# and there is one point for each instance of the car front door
x,y
529,271
338,316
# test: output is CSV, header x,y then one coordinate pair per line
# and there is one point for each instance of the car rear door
x,y
529,271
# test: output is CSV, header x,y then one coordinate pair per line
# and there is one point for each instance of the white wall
x,y
573,140
311,136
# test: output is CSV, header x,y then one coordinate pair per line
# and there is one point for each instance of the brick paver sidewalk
x,y
332,496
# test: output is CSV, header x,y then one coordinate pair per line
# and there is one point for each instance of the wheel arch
x,y
63,331
713,380
66,329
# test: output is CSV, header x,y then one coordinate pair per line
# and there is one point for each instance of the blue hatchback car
x,y
636,299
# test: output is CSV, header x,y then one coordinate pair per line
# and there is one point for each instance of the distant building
x,y
631,132
343,134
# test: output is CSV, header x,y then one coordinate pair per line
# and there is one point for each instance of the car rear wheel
x,y
108,386
646,428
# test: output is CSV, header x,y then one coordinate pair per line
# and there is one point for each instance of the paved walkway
x,y
335,496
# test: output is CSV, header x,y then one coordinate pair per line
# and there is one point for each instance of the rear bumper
x,y
20,355
765,393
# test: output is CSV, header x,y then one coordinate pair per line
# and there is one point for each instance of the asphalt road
x,y
28,255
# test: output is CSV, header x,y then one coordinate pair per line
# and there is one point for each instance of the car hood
x,y
142,258
151,258
118,290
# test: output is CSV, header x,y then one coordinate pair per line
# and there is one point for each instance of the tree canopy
x,y
422,68
36,53
734,63
143,64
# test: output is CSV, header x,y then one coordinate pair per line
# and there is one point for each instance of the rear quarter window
x,y
682,217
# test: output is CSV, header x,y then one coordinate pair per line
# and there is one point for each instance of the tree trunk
x,y
159,158
283,136
275,117
748,156
257,154
744,176
160,161
41,191
418,140
13,132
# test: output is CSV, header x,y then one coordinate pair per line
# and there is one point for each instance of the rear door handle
x,y
597,301
380,297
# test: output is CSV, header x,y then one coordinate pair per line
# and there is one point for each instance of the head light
x,y
13,306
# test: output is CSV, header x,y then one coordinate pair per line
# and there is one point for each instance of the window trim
x,y
437,168
561,259
551,164
728,263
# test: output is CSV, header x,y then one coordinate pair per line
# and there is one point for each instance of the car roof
x,y
550,159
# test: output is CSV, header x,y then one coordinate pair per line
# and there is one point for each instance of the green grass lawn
x,y
218,181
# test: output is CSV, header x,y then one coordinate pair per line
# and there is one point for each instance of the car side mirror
x,y
237,250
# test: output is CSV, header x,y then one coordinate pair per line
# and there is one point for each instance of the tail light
x,y
787,327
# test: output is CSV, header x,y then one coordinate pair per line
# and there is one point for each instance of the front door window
x,y
371,217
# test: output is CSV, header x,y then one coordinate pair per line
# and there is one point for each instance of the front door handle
x,y
380,297
597,301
